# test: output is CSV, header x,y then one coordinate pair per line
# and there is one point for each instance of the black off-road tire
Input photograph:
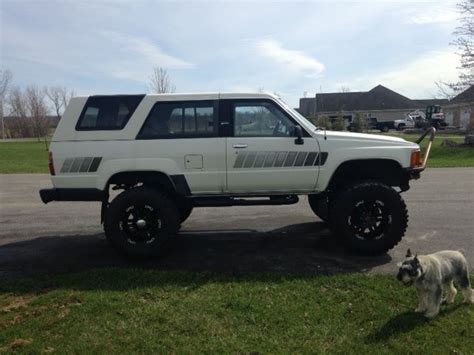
x,y
185,208
319,205
349,211
121,227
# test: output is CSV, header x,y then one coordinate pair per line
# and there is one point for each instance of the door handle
x,y
240,146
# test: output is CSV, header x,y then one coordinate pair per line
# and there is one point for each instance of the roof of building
x,y
378,98
466,96
428,102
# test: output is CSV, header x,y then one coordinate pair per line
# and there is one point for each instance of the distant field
x,y
148,311
23,157
31,156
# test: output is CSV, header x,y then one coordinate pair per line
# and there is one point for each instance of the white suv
x,y
170,153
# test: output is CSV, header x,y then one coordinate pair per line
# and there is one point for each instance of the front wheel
x,y
370,217
140,220
184,209
319,205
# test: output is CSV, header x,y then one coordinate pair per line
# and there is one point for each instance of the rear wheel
x,y
369,217
139,221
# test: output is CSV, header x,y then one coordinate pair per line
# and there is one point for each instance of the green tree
x,y
323,122
359,124
339,123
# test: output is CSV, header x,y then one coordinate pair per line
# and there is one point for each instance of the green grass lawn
x,y
23,157
32,157
150,311
444,156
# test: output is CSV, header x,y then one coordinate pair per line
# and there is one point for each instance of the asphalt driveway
x,y
67,236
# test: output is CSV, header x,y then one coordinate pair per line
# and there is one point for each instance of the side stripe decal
x,y
81,165
252,159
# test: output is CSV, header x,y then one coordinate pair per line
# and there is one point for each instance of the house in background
x,y
380,103
459,111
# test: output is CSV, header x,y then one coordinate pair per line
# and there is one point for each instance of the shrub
x,y
359,124
323,122
339,124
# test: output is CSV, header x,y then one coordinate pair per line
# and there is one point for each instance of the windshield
x,y
297,114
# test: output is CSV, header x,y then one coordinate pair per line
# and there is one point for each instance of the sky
x,y
288,47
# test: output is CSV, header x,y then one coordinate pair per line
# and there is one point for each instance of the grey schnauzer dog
x,y
433,273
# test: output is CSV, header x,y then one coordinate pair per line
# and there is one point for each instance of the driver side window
x,y
260,119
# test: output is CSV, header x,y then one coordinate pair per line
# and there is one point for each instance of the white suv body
x,y
208,163
204,148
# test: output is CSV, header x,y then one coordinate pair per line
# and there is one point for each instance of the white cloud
x,y
145,50
435,15
416,79
289,58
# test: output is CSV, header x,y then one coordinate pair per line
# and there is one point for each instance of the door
x,y
181,138
263,154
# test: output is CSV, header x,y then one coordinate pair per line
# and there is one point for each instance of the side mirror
x,y
299,135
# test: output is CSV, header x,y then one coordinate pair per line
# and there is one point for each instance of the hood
x,y
364,137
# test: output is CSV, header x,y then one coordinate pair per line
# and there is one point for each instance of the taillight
x,y
51,164
415,159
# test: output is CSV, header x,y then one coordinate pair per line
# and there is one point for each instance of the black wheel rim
x,y
369,219
141,224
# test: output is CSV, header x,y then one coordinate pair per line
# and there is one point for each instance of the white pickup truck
x,y
170,153
407,122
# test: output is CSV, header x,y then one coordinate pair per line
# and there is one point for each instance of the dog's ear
x,y
408,254
416,259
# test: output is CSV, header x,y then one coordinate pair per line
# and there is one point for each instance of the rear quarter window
x,y
181,119
103,113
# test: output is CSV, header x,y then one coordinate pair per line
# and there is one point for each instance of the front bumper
x,y
48,195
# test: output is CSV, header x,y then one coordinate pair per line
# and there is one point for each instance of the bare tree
x,y
5,80
66,96
444,90
465,44
160,81
54,94
38,110
59,97
19,125
344,88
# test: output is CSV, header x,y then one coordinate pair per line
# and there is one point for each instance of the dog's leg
x,y
444,295
434,301
465,286
421,301
450,292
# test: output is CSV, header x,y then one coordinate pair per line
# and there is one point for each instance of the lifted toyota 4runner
x,y
170,153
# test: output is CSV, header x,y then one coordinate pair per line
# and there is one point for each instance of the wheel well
x,y
386,171
149,178
174,185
